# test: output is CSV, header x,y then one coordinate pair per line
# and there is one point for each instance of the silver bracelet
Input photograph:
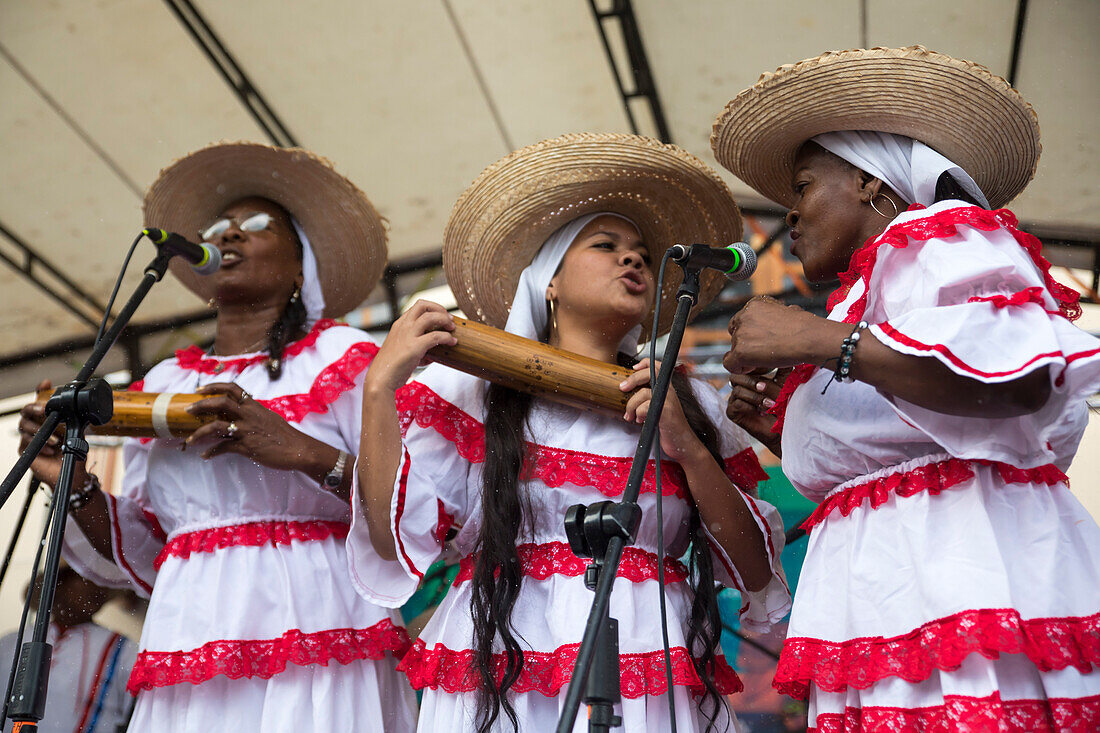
x,y
335,477
81,496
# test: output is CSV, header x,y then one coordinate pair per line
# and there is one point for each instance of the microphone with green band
x,y
204,258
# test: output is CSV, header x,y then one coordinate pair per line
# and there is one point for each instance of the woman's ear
x,y
869,186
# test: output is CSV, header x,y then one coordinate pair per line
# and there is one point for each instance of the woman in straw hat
x,y
554,242
951,580
237,533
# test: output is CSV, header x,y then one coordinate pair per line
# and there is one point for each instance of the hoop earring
x,y
892,205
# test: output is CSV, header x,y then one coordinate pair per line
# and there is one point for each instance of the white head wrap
x,y
528,315
909,167
313,297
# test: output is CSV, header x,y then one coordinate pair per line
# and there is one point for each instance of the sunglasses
x,y
251,223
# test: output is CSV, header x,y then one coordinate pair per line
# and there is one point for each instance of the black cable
x,y
114,293
660,494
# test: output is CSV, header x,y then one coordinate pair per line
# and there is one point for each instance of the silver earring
x,y
553,315
892,205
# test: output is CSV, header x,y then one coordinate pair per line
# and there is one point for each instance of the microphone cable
x,y
114,292
654,330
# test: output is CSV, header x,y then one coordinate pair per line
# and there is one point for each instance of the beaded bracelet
x,y
82,495
847,350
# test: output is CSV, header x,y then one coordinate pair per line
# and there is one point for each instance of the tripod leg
x,y
32,489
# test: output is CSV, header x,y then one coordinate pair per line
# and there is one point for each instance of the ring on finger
x,y
244,396
232,430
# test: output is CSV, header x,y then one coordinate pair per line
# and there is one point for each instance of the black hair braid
x,y
289,324
497,576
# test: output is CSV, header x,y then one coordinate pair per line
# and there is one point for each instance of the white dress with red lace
x,y
952,581
574,457
252,624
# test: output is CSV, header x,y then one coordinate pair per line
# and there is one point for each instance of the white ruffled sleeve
x,y
759,609
429,493
136,535
978,302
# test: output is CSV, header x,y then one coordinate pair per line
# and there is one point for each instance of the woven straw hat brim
x,y
346,233
500,221
959,108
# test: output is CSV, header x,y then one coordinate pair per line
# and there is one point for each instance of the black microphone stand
x,y
601,531
82,402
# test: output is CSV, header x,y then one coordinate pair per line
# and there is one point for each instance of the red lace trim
x,y
973,714
1050,643
333,381
932,477
553,466
744,469
547,672
939,225
195,359
555,558
1022,297
253,534
265,658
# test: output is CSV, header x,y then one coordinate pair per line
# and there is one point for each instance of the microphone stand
x,y
82,402
601,531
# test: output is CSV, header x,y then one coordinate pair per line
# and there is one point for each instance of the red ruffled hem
x,y
555,558
973,714
932,478
195,359
547,672
555,466
1050,643
253,534
265,658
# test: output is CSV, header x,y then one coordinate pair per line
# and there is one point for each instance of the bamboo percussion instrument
x,y
532,366
483,351
148,414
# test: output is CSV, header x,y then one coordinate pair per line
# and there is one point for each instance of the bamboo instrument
x,y
148,414
532,366
483,351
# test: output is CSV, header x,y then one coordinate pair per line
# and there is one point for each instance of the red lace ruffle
x,y
744,469
195,359
253,534
1050,643
265,658
547,672
932,478
333,381
1023,297
555,558
934,226
553,466
972,714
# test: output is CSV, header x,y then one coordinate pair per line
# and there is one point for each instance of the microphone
x,y
736,261
205,258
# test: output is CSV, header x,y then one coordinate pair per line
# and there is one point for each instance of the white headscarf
x,y
313,297
909,167
528,315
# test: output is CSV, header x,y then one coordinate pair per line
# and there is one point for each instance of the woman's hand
x,y
422,327
678,441
245,427
766,335
47,467
751,396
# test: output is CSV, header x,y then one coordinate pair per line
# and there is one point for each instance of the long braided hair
x,y
291,321
497,577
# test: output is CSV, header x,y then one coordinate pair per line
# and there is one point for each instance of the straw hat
x,y
500,221
347,235
959,108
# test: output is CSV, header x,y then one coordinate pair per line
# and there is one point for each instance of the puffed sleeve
x,y
979,300
136,535
759,609
440,442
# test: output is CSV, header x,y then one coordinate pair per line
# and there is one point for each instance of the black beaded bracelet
x,y
847,350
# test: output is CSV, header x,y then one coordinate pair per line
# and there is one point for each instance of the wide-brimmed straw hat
x,y
346,233
500,221
958,108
